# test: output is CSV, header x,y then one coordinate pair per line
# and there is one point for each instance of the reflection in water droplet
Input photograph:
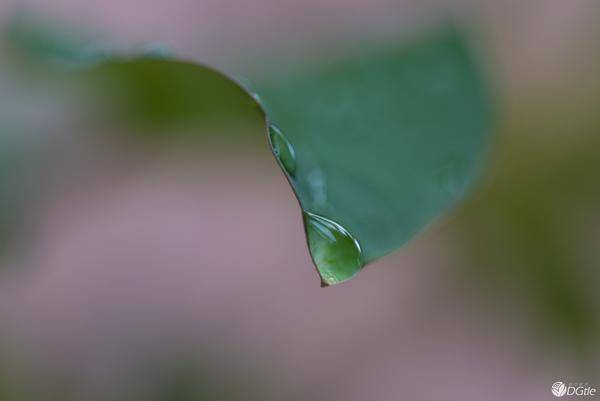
x,y
283,150
334,250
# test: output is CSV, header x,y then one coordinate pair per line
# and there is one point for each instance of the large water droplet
x,y
283,150
334,250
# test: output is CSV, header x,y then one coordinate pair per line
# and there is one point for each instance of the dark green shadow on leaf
x,y
155,96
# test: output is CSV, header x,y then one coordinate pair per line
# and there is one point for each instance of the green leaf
x,y
377,146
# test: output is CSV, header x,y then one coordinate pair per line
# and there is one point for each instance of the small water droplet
x,y
283,150
257,98
334,250
247,86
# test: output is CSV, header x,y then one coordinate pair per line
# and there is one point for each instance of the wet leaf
x,y
382,144
375,146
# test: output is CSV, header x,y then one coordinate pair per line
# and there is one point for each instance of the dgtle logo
x,y
559,389
577,389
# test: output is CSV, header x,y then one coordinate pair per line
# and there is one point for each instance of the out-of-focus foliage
x,y
522,251
188,377
530,235
204,380
39,42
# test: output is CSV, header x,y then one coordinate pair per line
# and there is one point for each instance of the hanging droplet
x,y
335,252
283,150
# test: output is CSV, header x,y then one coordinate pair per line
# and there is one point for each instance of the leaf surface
x,y
375,145
381,143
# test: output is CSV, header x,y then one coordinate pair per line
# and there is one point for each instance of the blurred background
x,y
189,278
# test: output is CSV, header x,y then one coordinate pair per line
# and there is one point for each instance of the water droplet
x,y
247,86
257,98
334,250
283,150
